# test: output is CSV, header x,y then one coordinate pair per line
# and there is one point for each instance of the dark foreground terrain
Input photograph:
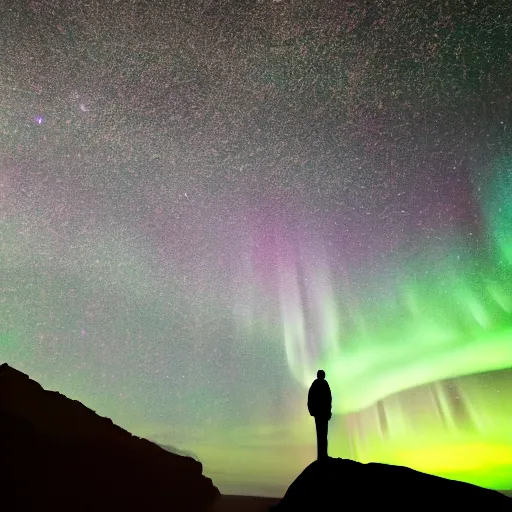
x,y
229,503
58,455
328,484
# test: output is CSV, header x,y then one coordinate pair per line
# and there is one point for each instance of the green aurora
x,y
452,321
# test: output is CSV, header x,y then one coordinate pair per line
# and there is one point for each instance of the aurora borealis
x,y
202,203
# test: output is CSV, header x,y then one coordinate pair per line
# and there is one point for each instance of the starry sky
x,y
203,202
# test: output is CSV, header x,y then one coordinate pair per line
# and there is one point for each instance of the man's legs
x,y
321,436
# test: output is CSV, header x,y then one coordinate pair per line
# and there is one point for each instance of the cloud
x,y
177,451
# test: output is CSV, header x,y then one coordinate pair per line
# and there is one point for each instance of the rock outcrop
x,y
339,484
57,454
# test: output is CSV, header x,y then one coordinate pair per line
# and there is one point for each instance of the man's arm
x,y
311,400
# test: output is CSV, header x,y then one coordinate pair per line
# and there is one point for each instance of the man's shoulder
x,y
325,385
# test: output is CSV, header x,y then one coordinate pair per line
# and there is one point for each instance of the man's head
x,y
320,374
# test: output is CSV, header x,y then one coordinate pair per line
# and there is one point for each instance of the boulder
x,y
340,484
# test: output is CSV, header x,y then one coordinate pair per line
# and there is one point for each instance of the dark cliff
x,y
57,454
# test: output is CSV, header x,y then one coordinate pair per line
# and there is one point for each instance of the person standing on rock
x,y
319,406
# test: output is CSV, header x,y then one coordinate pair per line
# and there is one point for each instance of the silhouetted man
x,y
319,406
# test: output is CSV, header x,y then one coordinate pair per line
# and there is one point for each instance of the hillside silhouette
x,y
332,483
56,454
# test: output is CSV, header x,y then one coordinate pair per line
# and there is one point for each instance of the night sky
x,y
203,202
